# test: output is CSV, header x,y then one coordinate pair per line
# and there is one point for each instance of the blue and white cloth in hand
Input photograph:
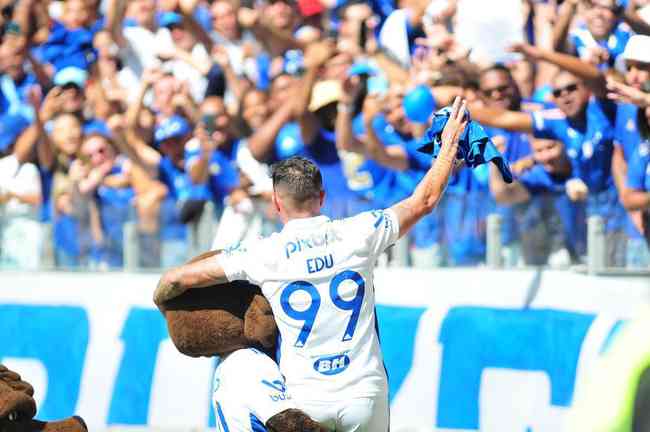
x,y
474,146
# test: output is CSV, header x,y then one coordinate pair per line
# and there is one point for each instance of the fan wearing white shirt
x,y
317,275
20,199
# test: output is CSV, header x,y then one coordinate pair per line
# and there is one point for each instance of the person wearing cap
x,y
167,164
279,137
315,111
584,122
522,223
627,138
212,157
636,195
185,58
139,42
374,183
72,82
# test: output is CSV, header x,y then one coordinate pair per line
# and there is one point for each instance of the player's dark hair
x,y
299,176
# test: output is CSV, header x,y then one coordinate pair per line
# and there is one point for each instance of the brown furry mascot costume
x,y
18,408
214,322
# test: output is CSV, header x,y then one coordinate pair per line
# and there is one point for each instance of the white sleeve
x,y
268,395
242,262
27,181
379,227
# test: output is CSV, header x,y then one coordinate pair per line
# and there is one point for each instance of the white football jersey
x,y
317,274
248,389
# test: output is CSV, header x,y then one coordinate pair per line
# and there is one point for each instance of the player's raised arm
x,y
428,192
202,271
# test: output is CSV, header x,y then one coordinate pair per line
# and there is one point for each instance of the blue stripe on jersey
x,y
222,419
256,424
278,348
383,363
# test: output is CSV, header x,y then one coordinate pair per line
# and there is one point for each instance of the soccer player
x,y
318,277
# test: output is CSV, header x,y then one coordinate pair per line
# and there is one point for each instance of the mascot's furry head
x,y
221,319
218,320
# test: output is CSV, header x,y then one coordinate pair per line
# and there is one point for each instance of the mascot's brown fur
x,y
18,408
219,320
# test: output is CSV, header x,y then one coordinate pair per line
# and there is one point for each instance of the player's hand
x,y
454,128
168,288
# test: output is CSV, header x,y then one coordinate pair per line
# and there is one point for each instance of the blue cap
x,y
419,104
172,127
71,75
98,128
168,19
11,126
361,68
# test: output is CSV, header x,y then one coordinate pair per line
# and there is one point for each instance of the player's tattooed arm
x,y
202,271
429,191
293,420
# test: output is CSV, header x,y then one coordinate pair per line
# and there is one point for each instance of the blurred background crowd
x,y
164,116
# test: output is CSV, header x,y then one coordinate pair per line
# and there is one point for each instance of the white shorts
x,y
350,415
248,390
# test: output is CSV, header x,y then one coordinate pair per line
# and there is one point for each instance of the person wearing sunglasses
x,y
584,122
498,89
101,180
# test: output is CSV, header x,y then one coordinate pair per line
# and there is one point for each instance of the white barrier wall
x,y
465,349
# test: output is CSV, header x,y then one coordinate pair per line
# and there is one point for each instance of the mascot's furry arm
x,y
18,408
209,322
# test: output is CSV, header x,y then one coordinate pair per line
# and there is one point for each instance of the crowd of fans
x,y
142,111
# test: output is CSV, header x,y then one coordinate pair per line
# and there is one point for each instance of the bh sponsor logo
x,y
332,365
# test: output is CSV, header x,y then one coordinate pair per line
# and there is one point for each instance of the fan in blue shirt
x,y
213,157
636,197
584,122
372,184
388,143
70,41
168,166
629,120
601,39
547,179
316,110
